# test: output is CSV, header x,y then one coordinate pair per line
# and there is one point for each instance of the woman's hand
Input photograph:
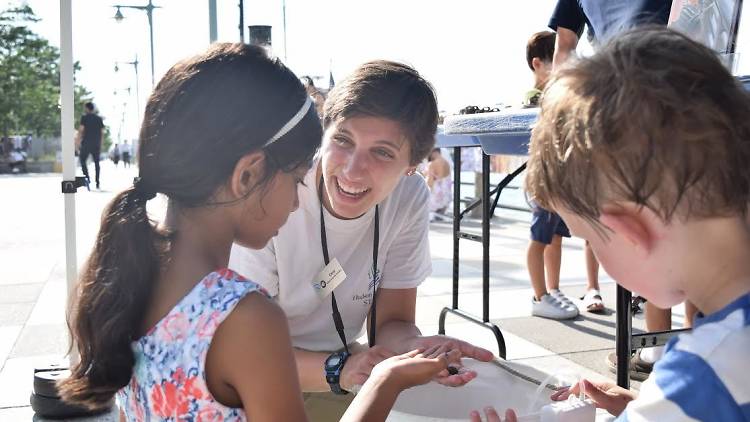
x,y
416,367
357,368
491,415
466,350
605,394
393,375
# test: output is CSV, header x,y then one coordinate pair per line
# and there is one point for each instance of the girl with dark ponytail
x,y
157,319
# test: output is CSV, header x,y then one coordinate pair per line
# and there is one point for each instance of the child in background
x,y
158,319
547,228
438,175
644,148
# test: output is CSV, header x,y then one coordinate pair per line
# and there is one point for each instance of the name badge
x,y
328,279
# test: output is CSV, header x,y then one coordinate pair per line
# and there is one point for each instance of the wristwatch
x,y
333,366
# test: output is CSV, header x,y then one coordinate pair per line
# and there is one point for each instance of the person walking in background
x,y
125,154
89,140
116,154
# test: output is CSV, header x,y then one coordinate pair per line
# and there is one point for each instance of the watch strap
x,y
333,374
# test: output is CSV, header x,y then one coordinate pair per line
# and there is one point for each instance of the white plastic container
x,y
494,386
571,410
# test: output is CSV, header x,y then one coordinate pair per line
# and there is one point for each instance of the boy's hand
x,y
492,416
605,394
415,367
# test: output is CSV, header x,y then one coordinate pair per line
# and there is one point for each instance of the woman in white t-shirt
x,y
361,227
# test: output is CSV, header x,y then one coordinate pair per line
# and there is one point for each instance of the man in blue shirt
x,y
604,18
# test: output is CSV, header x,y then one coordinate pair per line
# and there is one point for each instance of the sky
x,y
472,51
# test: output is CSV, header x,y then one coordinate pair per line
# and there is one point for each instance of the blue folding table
x,y
505,132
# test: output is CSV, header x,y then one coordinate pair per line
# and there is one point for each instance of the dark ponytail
x,y
111,298
205,114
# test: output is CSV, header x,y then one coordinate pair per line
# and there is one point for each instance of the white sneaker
x,y
549,307
560,296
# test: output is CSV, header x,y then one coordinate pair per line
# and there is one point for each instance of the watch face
x,y
334,360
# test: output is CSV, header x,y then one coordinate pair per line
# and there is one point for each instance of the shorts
x,y
545,225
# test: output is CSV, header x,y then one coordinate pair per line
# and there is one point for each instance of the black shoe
x,y
639,368
97,185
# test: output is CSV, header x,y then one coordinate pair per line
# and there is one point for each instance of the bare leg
x,y
535,263
552,259
478,211
690,311
592,268
82,157
658,319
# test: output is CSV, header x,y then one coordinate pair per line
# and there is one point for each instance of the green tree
x,y
29,78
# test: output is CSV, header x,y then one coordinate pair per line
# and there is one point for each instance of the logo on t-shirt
x,y
374,280
366,297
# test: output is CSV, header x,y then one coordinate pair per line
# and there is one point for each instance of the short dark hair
x,y
653,118
391,90
89,106
542,46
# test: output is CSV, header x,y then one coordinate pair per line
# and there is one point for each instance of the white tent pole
x,y
212,34
68,149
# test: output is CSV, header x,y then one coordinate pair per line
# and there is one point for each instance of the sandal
x,y
592,300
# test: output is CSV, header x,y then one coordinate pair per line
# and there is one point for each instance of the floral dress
x,y
169,377
441,195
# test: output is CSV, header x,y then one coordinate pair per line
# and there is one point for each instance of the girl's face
x,y
363,158
268,208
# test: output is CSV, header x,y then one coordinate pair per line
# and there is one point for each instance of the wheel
x,y
54,408
45,382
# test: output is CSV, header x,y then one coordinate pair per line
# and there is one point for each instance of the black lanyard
x,y
375,243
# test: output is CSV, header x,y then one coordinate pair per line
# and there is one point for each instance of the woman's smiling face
x,y
363,158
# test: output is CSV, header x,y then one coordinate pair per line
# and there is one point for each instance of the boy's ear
x,y
632,224
247,173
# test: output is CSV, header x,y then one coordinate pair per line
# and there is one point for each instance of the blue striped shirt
x,y
704,375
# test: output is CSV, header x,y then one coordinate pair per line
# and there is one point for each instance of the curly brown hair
x,y
653,118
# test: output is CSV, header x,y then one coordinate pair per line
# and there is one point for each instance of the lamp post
x,y
124,110
149,9
134,63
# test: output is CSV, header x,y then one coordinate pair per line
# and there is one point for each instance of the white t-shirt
x,y
291,261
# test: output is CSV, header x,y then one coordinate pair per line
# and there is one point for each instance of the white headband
x,y
291,123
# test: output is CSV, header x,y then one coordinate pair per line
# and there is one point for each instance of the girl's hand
x,y
605,394
416,367
492,416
